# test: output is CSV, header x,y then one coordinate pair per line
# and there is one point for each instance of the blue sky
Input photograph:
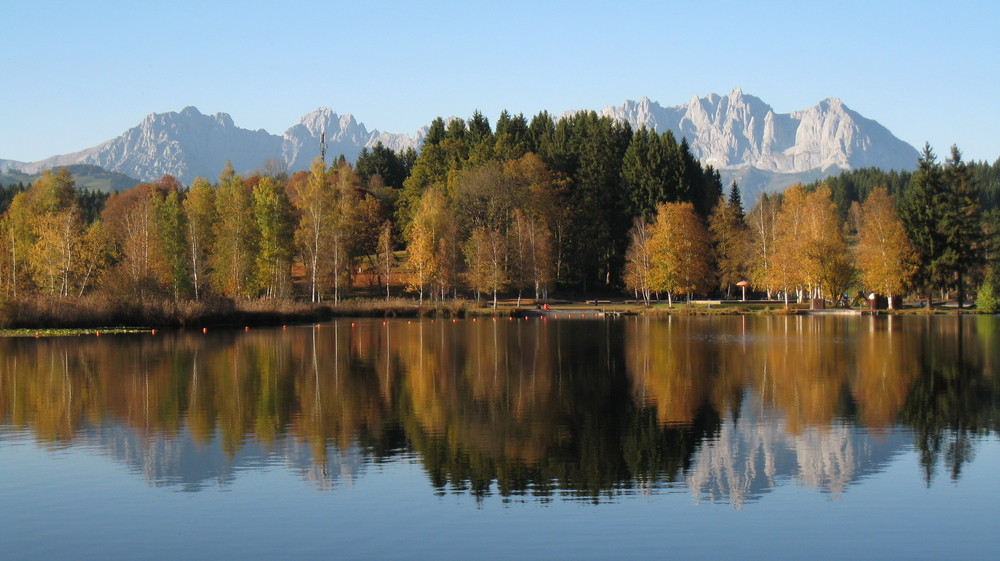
x,y
80,73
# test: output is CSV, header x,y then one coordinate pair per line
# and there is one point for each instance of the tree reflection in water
x,y
728,406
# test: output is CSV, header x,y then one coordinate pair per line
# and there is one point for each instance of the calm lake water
x,y
627,438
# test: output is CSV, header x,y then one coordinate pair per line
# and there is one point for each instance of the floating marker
x,y
247,328
37,335
154,332
204,330
97,333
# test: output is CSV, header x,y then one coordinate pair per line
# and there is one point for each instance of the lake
x,y
703,437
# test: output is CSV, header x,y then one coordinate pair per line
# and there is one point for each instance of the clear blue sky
x,y
80,73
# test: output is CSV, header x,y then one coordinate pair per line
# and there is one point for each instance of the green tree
x,y
18,237
731,241
273,215
382,162
923,211
172,232
943,219
963,225
236,238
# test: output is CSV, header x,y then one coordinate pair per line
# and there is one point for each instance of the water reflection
x,y
728,407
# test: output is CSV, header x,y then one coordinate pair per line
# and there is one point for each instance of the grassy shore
x,y
39,314
72,316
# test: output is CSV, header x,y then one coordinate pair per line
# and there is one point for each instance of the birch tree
x,y
200,218
639,259
272,215
235,242
884,255
681,251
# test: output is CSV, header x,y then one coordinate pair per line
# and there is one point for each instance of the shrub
x,y
986,300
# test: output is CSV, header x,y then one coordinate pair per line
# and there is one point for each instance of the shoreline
x,y
85,316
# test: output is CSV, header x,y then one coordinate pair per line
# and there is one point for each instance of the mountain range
x,y
738,134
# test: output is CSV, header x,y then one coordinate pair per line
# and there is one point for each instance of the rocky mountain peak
x,y
744,138
738,134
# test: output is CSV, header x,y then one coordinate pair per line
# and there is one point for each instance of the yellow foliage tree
x,y
762,221
884,256
681,251
639,259
314,201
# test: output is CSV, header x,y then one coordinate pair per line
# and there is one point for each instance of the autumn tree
x,y
430,240
344,226
314,201
146,224
639,259
199,217
530,263
386,256
95,256
828,266
55,253
810,251
48,207
885,259
787,269
540,221
486,253
681,251
369,217
762,221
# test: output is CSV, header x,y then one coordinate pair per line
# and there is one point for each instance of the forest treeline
x,y
582,204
